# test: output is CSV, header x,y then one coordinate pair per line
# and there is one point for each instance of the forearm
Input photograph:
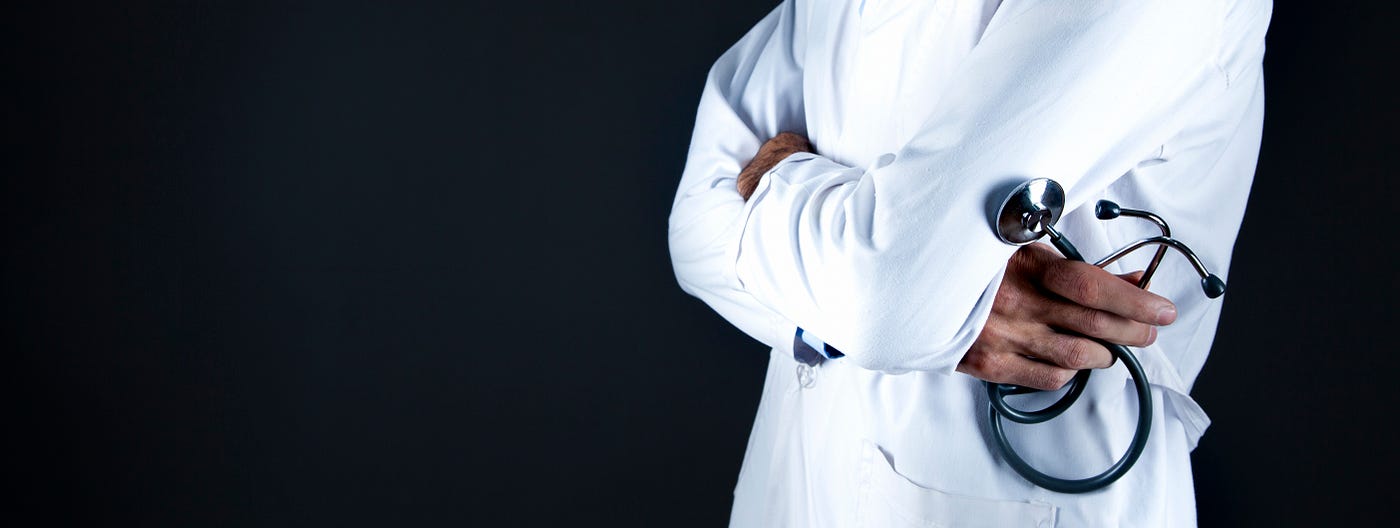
x,y
751,93
892,263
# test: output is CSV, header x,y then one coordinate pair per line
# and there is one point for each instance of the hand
x,y
1043,292
772,152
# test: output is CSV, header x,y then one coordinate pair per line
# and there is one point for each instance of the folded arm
x,y
753,92
895,264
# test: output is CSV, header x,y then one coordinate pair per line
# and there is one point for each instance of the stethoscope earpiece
x,y
1213,286
1106,210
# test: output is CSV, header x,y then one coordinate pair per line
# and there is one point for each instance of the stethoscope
x,y
1030,212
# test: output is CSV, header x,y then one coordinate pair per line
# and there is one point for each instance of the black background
x,y
391,263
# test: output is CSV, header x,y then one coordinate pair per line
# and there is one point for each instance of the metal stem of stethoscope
x,y
1106,210
1028,213
1212,285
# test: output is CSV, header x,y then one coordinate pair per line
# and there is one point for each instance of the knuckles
x,y
1050,379
984,364
1094,323
1009,295
1078,285
1075,355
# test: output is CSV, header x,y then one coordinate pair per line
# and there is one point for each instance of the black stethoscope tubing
x,y
998,408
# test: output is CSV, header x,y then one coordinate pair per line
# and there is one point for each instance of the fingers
x,y
1098,323
1092,287
1069,352
1018,370
1044,309
1030,355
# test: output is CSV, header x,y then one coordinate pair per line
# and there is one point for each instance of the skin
x,y
1044,308
772,152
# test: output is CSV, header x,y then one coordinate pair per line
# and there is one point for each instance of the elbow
x,y
682,261
697,257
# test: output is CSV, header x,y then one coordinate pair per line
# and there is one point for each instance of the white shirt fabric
x,y
922,115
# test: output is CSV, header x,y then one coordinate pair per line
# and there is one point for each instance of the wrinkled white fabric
x,y
922,114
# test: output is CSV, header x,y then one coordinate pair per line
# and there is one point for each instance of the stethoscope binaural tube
x,y
1028,213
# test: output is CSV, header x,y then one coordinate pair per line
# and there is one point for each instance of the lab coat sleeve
x,y
895,263
753,92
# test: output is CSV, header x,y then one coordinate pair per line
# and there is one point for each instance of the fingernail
x,y
1151,334
1166,315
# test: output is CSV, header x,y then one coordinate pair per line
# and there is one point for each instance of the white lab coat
x,y
922,115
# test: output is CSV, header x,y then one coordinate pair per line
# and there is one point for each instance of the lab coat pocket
x,y
889,500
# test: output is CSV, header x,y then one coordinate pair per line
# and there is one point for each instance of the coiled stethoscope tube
x,y
1029,212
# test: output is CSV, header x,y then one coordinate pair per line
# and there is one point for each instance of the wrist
x,y
773,152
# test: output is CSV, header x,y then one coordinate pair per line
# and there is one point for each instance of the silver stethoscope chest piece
x,y
1030,212
1033,204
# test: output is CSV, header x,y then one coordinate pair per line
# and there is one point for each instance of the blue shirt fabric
x,y
809,349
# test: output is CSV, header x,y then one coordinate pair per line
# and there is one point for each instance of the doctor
x,y
866,226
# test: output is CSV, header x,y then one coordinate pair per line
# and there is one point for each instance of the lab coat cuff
x,y
786,164
972,326
794,168
800,167
800,171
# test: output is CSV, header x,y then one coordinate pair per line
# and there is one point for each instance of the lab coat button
x,y
806,376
